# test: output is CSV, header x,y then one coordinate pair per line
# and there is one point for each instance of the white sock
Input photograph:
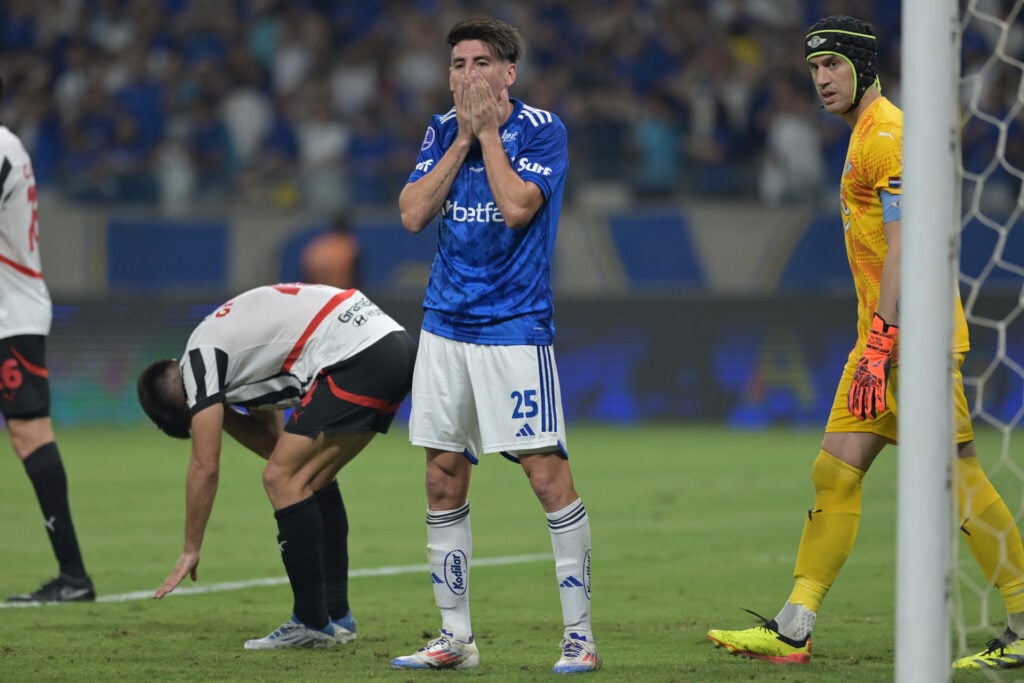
x,y
795,621
449,549
570,541
1016,623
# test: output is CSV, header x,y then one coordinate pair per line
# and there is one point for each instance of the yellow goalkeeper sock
x,y
829,531
991,532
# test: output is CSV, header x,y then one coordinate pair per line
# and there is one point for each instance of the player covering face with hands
x,y
343,366
841,53
492,172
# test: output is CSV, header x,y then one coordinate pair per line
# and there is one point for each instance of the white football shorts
x,y
475,398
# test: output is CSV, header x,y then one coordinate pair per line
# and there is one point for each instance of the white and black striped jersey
x,y
265,346
25,306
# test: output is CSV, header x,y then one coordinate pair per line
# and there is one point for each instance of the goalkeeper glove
x,y
867,393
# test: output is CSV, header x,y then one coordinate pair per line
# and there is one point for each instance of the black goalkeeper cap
x,y
853,40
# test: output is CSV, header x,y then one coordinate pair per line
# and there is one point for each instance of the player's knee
x,y
551,481
975,492
27,435
838,482
275,481
447,487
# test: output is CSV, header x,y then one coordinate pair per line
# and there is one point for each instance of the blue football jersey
x,y
490,284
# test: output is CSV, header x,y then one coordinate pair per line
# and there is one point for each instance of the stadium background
x,y
185,151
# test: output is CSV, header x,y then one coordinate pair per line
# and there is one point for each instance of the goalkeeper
x,y
842,54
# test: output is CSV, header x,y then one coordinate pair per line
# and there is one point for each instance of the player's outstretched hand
x,y
186,565
866,399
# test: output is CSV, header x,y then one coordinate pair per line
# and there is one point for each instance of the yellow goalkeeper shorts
x,y
841,420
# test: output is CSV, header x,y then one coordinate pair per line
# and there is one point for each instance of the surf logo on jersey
x,y
481,213
428,138
456,571
424,165
527,166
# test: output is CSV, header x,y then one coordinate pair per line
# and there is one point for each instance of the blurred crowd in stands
x,y
185,104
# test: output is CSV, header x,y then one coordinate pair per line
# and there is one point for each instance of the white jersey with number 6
x,y
25,306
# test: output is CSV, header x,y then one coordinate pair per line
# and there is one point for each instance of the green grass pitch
x,y
690,523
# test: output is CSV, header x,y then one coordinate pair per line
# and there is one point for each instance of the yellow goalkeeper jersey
x,y
874,164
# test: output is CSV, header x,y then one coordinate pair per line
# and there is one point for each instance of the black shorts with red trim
x,y
360,394
24,380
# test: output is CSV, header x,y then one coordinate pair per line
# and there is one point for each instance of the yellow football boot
x,y
763,642
999,653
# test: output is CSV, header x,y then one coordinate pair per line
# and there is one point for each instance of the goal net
x,y
990,172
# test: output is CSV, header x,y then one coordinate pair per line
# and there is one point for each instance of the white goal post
x,y
929,75
963,223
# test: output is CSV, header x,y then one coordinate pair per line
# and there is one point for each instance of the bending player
x,y
345,366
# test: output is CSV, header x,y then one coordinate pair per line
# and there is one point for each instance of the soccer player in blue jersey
x,y
485,379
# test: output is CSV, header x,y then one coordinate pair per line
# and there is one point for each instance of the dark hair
x,y
853,40
503,38
161,395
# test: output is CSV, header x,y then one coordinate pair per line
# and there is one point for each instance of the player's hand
x,y
463,107
487,110
186,565
866,399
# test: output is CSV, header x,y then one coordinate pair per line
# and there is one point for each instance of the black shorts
x,y
24,381
360,394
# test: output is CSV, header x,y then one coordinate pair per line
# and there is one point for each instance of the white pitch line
x,y
279,580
